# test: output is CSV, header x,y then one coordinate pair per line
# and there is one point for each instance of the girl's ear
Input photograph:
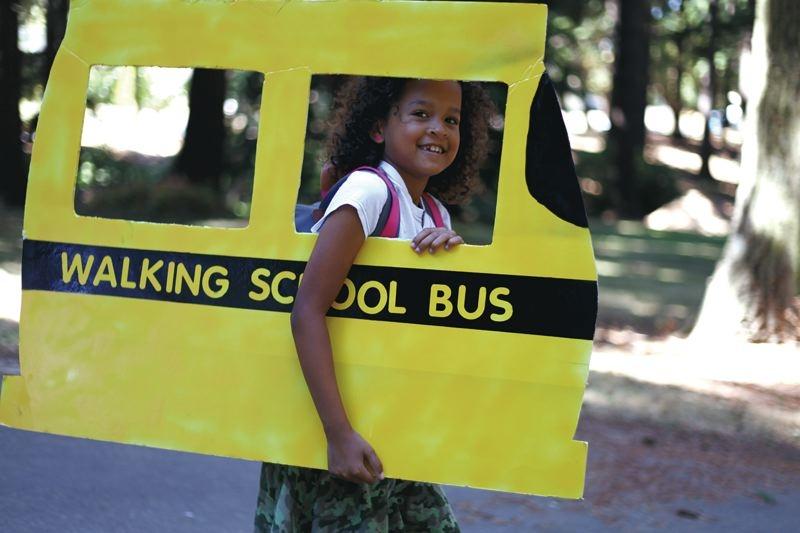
x,y
377,132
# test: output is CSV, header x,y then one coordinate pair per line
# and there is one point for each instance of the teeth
x,y
432,148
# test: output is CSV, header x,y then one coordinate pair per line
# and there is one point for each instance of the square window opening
x,y
169,145
336,100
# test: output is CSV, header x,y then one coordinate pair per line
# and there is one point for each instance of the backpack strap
x,y
388,221
433,210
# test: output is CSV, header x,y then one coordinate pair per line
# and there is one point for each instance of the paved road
x,y
51,483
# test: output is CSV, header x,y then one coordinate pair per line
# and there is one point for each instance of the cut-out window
x,y
328,100
169,145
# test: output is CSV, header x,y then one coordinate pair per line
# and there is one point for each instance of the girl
x,y
425,136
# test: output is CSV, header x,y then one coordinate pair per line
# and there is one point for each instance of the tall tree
x,y
629,98
676,102
710,87
12,179
201,158
747,41
56,27
753,290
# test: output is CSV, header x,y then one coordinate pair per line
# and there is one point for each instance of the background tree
x,y
12,179
629,98
754,288
201,157
680,48
56,27
709,87
669,56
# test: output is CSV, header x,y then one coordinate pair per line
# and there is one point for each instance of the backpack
x,y
305,216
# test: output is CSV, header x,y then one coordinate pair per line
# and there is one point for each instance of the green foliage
x,y
102,82
579,50
161,202
99,167
681,38
111,186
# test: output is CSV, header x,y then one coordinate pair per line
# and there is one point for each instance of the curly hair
x,y
363,101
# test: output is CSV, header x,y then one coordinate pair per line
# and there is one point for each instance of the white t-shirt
x,y
367,193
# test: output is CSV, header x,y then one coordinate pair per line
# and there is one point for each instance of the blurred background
x,y
694,397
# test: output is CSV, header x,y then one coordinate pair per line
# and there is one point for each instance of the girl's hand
x,y
352,458
431,239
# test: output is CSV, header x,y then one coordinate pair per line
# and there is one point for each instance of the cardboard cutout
x,y
465,368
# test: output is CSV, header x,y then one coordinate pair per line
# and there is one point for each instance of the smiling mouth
x,y
433,148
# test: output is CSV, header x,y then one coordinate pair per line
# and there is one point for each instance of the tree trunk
x,y
753,291
56,27
200,158
746,49
629,98
677,99
710,88
12,178
677,106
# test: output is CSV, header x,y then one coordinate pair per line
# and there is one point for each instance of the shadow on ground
x,y
651,281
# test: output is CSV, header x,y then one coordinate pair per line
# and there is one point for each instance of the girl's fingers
x,y
374,464
435,239
426,244
419,237
453,242
431,239
362,475
440,240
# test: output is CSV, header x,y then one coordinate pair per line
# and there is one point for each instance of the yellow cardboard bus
x,y
178,336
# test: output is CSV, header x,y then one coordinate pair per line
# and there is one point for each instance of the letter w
x,y
77,265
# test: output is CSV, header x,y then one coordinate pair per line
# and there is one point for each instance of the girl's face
x,y
422,130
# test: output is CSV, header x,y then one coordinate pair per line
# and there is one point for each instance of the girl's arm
x,y
340,239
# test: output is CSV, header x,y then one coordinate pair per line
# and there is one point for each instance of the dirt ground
x,y
681,438
645,476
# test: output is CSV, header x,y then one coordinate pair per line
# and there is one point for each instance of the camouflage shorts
x,y
296,500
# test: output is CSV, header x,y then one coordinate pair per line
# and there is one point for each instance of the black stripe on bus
x,y
539,306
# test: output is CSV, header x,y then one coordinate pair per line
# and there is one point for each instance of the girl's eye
x,y
452,120
420,113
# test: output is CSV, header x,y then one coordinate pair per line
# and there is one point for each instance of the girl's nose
x,y
437,128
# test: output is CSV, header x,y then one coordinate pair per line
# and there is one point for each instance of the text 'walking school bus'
x,y
178,336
